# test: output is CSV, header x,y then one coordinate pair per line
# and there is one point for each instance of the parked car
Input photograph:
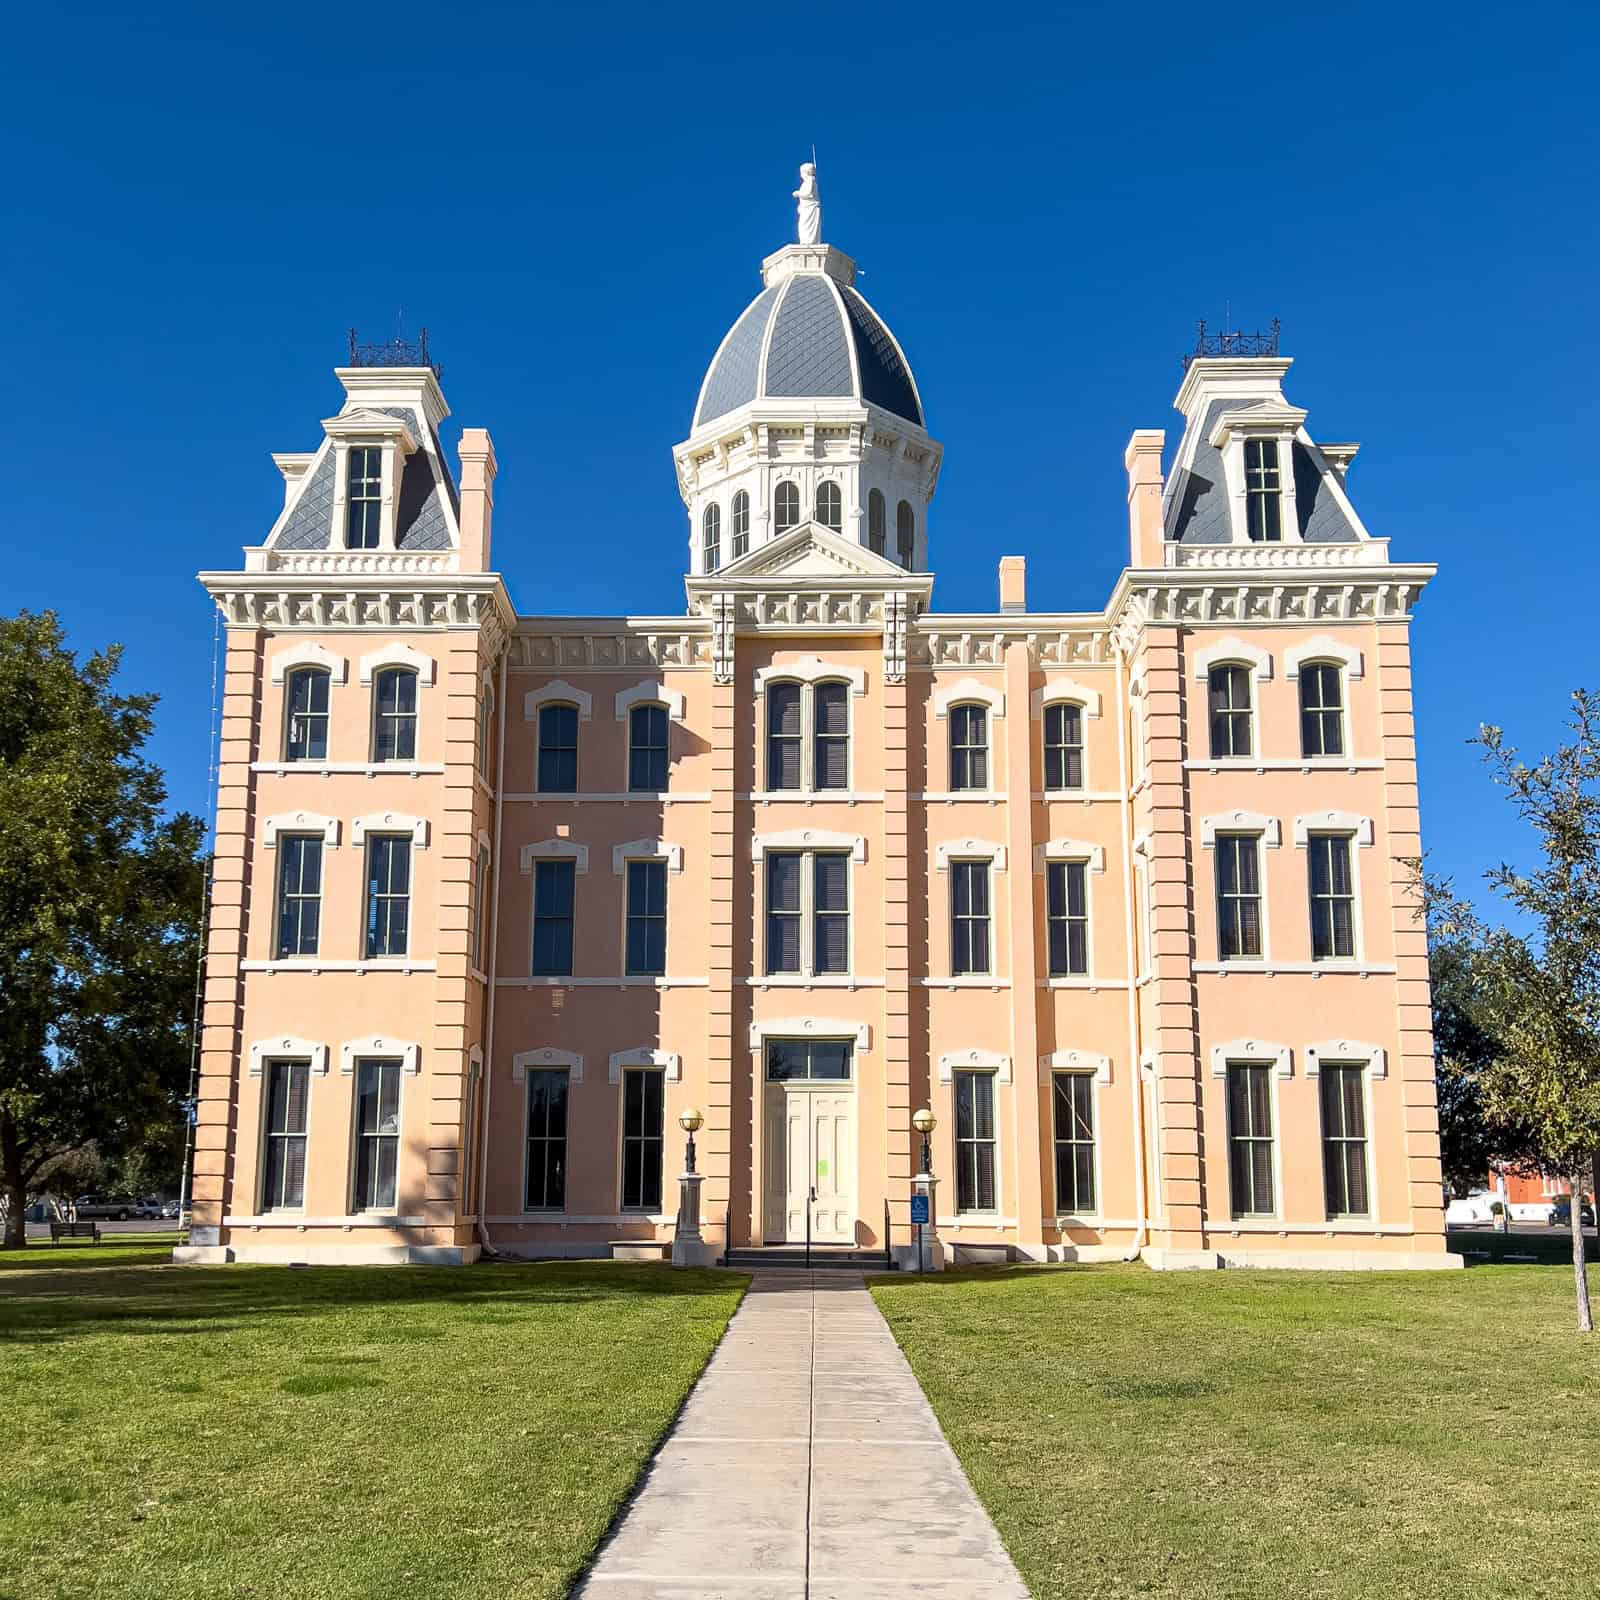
x,y
104,1207
148,1209
170,1210
1470,1210
1561,1213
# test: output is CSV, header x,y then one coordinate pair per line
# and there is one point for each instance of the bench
x,y
73,1230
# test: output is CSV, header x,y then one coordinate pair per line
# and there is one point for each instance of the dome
x,y
809,335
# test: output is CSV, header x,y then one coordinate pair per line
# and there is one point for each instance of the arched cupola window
x,y
711,541
905,534
877,523
741,524
830,506
786,505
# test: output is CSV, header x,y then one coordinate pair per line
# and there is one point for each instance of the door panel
x,y
810,1142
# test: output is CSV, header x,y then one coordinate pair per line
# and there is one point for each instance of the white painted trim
x,y
978,1061
1322,648
813,669
811,1028
1232,650
390,822
1352,822
376,1045
1075,1061
646,850
288,1047
968,691
1069,850
299,822
309,654
650,692
989,850
1068,690
1270,829
398,653
809,839
316,964
554,850
1253,1052
557,692
1341,1051
669,1061
360,769
474,1062
546,1057
1315,969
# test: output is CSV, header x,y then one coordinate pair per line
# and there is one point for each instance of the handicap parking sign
x,y
919,1208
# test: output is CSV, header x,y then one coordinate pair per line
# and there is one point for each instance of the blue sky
x,y
576,199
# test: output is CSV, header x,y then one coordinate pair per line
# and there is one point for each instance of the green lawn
x,y
168,1432
1270,1434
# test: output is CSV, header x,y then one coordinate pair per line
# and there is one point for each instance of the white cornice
x,y
1252,1052
406,1050
976,1060
646,1057
808,839
548,1056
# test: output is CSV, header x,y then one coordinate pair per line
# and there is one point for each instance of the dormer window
x,y
905,534
830,506
877,523
711,525
741,524
364,498
1263,491
786,504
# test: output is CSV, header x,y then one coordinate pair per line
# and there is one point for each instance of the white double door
x,y
810,1148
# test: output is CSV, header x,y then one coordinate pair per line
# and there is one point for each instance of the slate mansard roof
x,y
809,337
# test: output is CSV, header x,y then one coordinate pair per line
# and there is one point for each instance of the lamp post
x,y
691,1121
688,1248
924,1184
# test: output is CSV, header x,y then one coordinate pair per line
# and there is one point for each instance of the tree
x,y
100,906
1540,992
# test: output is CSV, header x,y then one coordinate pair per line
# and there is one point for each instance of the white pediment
x,y
809,551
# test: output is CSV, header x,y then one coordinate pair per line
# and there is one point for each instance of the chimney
x,y
478,468
1013,583
1142,458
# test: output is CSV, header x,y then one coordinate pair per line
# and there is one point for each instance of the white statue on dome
x,y
808,224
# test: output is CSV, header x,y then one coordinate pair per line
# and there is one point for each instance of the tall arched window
x,y
1228,696
830,506
786,506
1063,746
741,524
558,750
1321,709
877,523
486,732
394,707
306,695
905,534
969,747
647,748
711,541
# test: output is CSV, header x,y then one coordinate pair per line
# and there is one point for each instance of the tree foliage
x,y
100,904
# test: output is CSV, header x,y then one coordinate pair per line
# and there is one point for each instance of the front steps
x,y
792,1258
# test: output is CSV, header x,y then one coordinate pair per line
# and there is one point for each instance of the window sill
x,y
1304,764
294,1219
958,796
313,964
792,980
1315,969
647,797
1080,796
370,769
965,982
542,982
1080,982
572,1219
810,797
1241,1225
976,1219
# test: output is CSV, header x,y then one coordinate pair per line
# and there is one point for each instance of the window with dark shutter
x,y
288,1100
1250,1139
643,1093
1263,491
553,885
558,750
784,738
1228,698
969,936
1321,710
1238,897
830,723
1063,747
547,1139
975,1141
1344,1140
388,895
1333,898
1072,1099
306,695
394,734
299,894
783,911
969,747
647,918
647,749
377,1134
1067,917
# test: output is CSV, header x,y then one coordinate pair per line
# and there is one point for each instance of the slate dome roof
x,y
808,336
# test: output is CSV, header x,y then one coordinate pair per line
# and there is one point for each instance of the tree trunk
x,y
15,1187
1580,1265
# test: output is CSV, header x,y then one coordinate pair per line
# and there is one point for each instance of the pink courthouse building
x,y
1116,892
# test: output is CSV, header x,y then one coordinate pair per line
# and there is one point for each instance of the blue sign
x,y
919,1208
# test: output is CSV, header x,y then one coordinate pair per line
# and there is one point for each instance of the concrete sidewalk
x,y
807,1465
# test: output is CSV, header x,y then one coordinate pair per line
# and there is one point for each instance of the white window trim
x,y
399,654
1080,1061
1069,850
307,822
554,850
813,670
1253,1052
1269,828
976,1060
558,692
859,1033
1346,1052
545,1057
646,1059
989,850
1233,651
406,1051
968,691
1322,648
1069,691
650,692
809,839
1352,823
309,654
390,822
646,850
289,1048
